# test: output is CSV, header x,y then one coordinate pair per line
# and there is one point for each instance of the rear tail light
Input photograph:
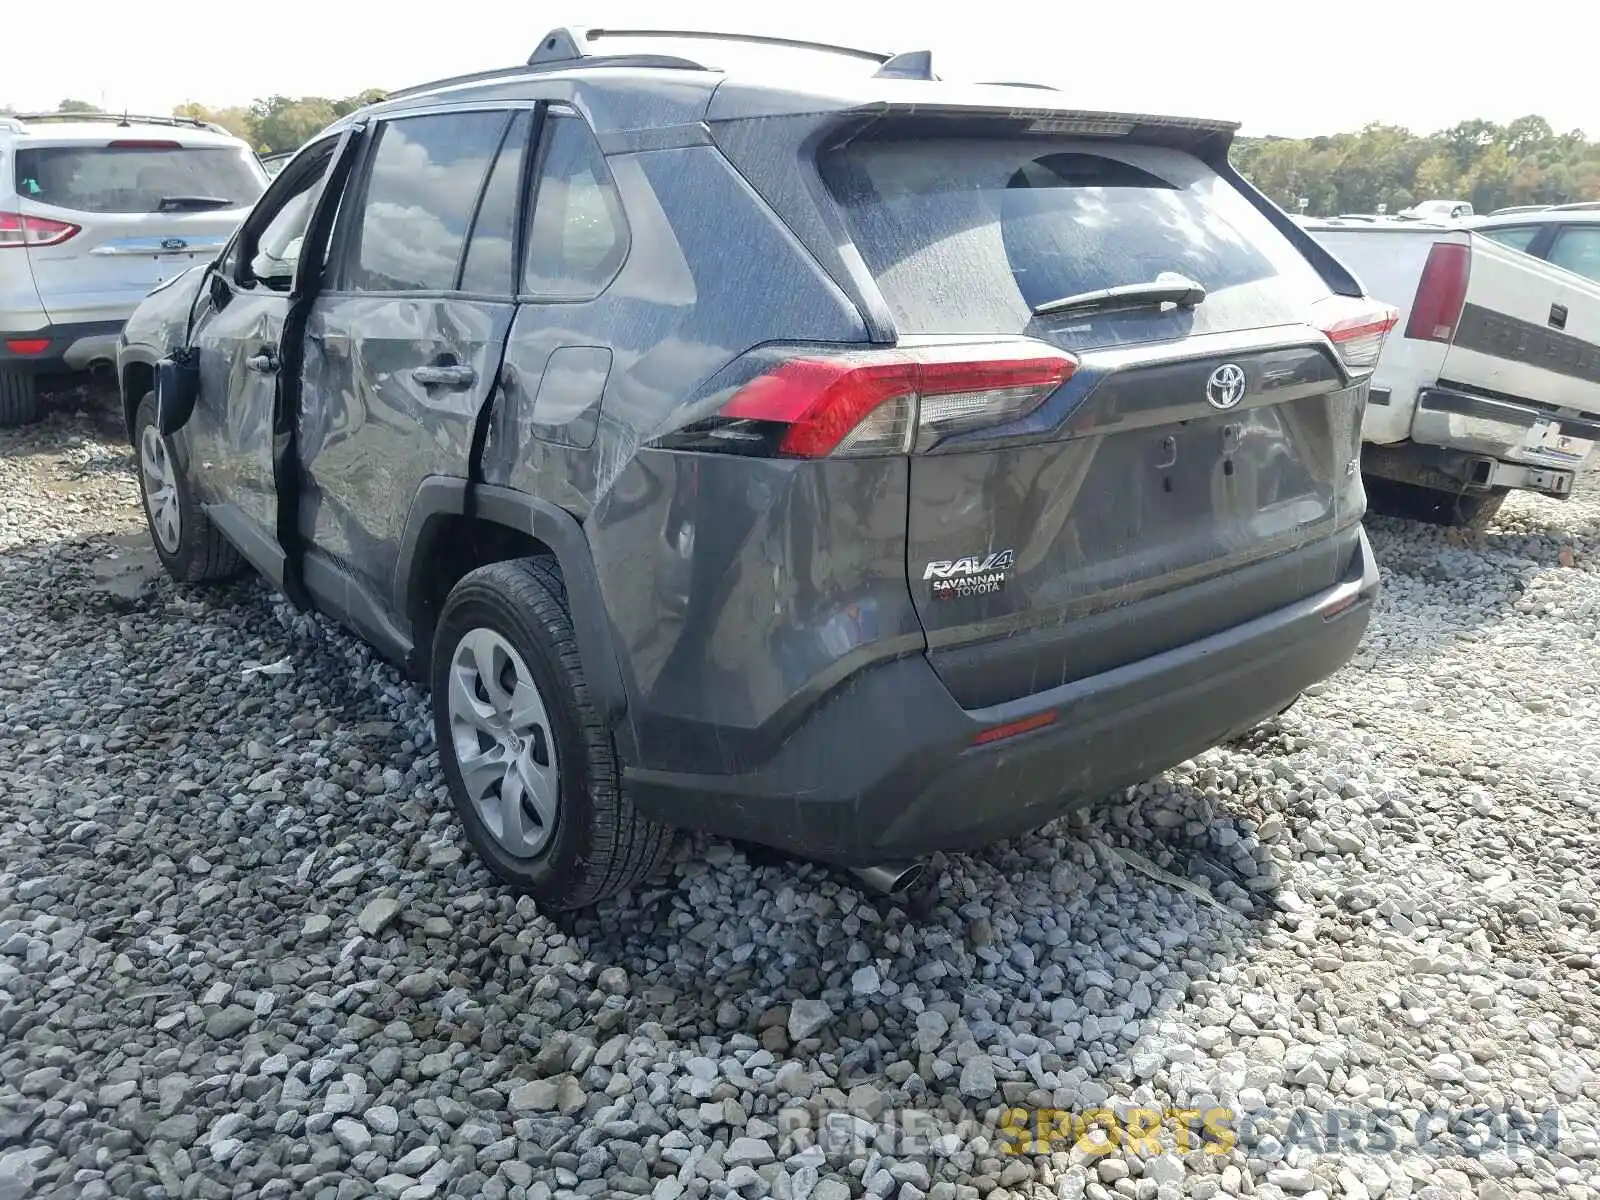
x,y
1441,293
19,230
871,402
1356,327
27,345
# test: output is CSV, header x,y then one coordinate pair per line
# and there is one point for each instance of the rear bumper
x,y
1503,430
886,767
69,347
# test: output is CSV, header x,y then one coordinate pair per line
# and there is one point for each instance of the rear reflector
x,y
1356,327
1441,293
997,733
28,345
890,401
19,230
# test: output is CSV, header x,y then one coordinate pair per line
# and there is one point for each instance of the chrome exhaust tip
x,y
891,879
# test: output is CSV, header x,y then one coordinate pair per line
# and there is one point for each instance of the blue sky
x,y
1280,67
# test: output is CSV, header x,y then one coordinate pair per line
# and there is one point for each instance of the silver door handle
x,y
457,375
265,363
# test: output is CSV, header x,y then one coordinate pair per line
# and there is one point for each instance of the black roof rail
x,y
118,119
1043,87
452,80
569,44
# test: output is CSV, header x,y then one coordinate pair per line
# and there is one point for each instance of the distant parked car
x,y
862,467
1438,210
273,163
95,210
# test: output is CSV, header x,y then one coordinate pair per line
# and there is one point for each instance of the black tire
x,y
600,845
1471,511
202,554
19,399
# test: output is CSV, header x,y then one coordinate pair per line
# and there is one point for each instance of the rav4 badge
x,y
974,575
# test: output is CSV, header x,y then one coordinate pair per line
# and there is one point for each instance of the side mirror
x,y
276,273
177,387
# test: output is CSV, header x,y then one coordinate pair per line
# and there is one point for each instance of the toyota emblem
x,y
1226,387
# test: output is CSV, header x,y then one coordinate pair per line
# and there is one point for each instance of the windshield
x,y
136,179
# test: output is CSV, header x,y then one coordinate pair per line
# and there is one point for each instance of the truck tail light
x,y
1441,293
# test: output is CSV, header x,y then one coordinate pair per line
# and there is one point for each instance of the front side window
x,y
577,240
419,199
277,227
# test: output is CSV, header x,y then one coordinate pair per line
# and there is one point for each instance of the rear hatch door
x,y
1192,472
145,208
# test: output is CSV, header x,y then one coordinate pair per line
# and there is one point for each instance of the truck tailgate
x,y
1527,330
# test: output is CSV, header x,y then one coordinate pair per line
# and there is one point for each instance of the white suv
x,y
95,210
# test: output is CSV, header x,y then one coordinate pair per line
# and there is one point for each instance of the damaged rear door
x,y
404,349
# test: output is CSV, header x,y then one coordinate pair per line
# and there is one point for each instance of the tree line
x,y
1492,165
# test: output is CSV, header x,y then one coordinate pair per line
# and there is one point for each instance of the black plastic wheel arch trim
x,y
553,526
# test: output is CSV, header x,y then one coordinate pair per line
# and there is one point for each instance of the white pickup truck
x,y
1491,380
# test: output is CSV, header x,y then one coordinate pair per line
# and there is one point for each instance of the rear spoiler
x,y
1019,107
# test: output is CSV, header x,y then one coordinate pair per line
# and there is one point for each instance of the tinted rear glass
x,y
970,235
135,179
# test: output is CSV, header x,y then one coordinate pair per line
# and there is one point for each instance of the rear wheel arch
x,y
455,526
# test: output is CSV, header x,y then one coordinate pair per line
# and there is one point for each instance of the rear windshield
x,y
137,179
970,235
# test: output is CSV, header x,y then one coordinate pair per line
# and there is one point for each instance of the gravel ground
x,y
243,950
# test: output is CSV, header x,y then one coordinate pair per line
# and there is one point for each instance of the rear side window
x,y
138,178
577,240
1577,249
1518,237
491,254
970,235
419,199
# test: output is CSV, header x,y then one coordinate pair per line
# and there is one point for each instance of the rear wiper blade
x,y
192,203
1185,293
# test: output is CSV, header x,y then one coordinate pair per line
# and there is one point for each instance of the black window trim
x,y
346,240
551,111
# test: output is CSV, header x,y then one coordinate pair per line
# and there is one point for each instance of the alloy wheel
x,y
504,746
160,490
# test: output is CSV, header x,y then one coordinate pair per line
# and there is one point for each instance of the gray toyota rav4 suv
x,y
858,463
